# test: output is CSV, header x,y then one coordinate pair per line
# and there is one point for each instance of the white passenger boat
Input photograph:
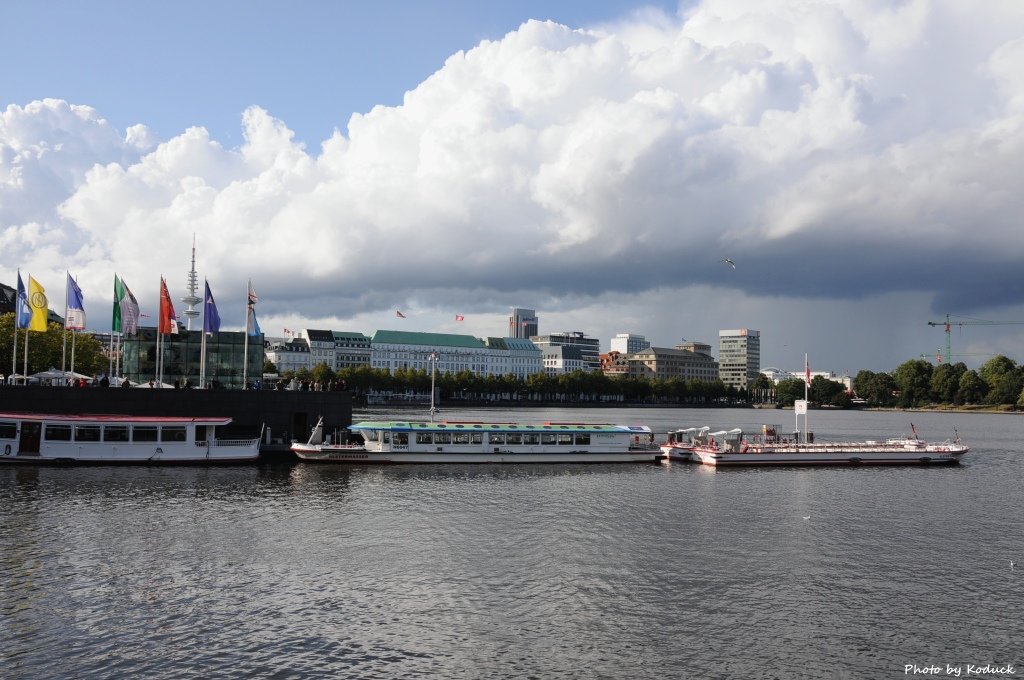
x,y
475,442
36,438
681,443
732,447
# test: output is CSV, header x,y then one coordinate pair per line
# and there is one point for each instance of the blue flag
x,y
252,327
23,313
76,307
211,319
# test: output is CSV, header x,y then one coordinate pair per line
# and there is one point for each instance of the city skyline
x,y
836,175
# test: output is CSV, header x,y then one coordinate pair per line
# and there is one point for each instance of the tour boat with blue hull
x,y
732,447
28,438
473,442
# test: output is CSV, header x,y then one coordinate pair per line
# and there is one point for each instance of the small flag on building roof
x,y
459,317
399,314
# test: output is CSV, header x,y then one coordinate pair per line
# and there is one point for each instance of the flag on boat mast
x,y
398,313
459,317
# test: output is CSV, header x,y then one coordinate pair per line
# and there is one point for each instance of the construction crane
x,y
968,322
938,356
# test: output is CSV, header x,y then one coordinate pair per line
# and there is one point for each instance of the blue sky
x,y
312,64
859,160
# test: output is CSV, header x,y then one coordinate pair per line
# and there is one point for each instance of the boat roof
x,y
116,418
449,426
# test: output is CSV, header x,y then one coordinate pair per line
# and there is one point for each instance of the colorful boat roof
x,y
447,426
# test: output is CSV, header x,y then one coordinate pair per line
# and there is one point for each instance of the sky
x,y
859,161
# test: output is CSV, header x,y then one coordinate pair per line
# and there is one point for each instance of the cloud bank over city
x,y
859,161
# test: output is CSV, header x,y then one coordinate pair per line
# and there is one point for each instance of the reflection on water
x,y
671,570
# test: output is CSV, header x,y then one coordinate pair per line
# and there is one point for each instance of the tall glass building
x,y
225,354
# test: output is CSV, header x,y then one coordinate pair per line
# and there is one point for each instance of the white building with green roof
x,y
392,350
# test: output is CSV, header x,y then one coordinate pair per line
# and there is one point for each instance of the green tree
x,y
972,388
1002,376
46,350
269,367
322,373
914,381
824,391
875,388
945,382
789,390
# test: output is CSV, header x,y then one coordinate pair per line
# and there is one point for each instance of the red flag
x,y
167,317
399,314
807,369
459,317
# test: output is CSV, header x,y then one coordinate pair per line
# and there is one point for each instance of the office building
x,y
589,347
523,323
739,357
627,343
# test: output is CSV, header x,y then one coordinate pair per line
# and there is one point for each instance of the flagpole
x,y
807,385
24,369
64,350
14,352
202,360
245,345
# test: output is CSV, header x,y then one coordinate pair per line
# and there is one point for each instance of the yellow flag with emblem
x,y
37,301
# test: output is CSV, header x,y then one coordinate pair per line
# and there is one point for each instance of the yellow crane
x,y
967,322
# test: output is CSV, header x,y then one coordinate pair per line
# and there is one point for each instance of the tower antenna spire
x,y
192,286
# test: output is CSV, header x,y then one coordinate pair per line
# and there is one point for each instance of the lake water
x,y
524,571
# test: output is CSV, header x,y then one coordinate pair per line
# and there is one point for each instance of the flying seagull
x,y
730,263
807,517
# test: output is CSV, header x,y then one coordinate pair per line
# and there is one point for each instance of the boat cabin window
x,y
8,430
385,436
496,437
547,438
443,438
87,433
514,438
424,437
583,438
460,438
58,433
531,438
401,438
564,439
144,433
115,433
172,434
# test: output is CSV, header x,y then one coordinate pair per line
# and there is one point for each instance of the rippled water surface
x,y
611,571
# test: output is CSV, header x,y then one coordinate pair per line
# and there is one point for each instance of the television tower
x,y
193,284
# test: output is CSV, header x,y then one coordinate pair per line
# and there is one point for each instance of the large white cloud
x,y
869,147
